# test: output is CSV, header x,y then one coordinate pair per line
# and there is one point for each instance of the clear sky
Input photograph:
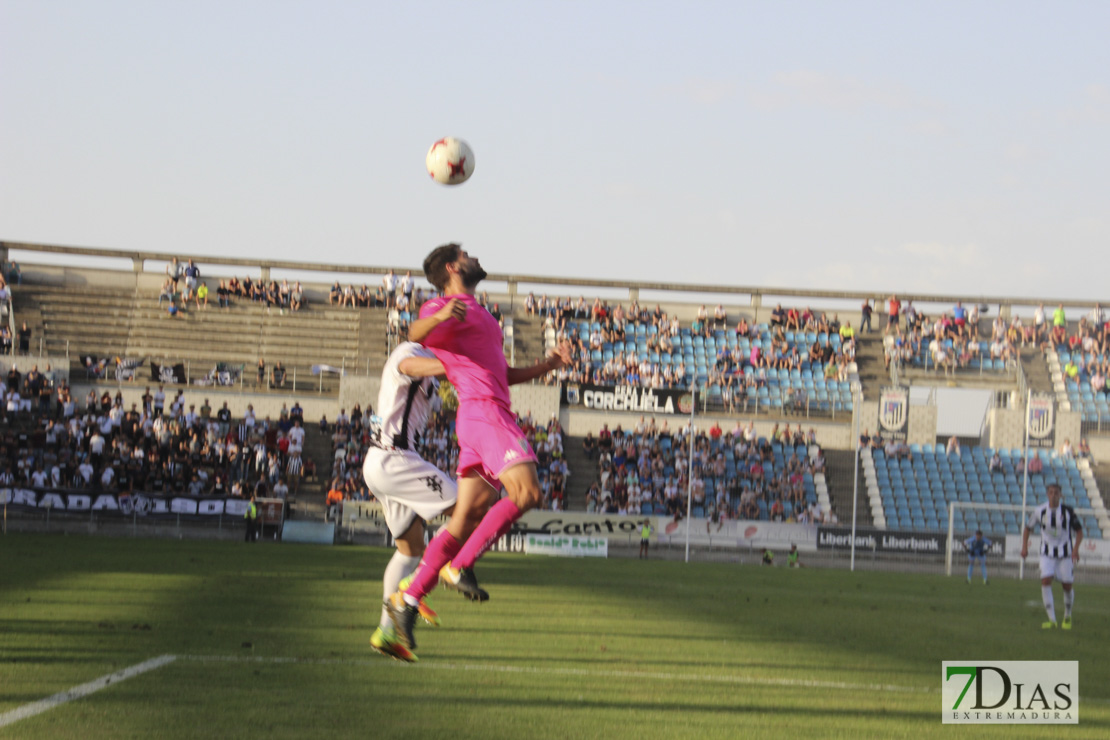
x,y
909,146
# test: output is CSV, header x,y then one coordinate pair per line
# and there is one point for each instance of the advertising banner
x,y
630,398
566,547
122,504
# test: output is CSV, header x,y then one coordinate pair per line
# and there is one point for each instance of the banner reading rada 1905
x,y
105,503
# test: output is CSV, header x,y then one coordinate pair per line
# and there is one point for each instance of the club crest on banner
x,y
573,397
894,409
1040,417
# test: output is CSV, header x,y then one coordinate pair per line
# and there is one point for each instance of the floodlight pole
x,y
690,464
1025,475
855,470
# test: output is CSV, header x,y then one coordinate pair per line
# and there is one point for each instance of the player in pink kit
x,y
493,450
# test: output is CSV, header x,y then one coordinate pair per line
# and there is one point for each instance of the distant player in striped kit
x,y
1058,553
977,548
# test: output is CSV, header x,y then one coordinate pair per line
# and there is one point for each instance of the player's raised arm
x,y
421,328
560,357
422,367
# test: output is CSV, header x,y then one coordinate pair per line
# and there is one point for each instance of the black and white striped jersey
x,y
1057,526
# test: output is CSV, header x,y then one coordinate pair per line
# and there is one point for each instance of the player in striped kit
x,y
1058,552
410,489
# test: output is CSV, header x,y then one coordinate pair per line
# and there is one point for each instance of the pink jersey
x,y
471,351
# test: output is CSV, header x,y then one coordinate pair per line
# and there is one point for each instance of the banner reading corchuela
x,y
1040,420
122,504
629,398
894,412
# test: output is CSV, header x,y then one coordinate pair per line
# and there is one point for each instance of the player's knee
x,y
528,497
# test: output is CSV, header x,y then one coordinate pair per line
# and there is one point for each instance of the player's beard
x,y
472,274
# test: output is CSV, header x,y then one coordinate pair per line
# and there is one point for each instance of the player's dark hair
x,y
435,264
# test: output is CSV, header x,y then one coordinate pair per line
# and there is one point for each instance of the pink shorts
x,y
490,441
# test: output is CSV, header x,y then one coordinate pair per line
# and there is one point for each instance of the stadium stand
x,y
735,475
913,493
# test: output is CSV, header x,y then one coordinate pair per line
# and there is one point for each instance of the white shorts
x,y
1058,568
407,486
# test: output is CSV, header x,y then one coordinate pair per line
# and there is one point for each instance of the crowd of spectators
x,y
640,346
1084,353
956,339
157,446
733,475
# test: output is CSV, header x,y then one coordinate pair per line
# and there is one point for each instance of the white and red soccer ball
x,y
450,161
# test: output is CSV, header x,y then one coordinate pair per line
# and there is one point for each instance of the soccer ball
x,y
450,161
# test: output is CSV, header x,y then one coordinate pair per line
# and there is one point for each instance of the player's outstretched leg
x,y
404,619
523,488
386,642
423,608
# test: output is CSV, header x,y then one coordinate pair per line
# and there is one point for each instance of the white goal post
x,y
954,506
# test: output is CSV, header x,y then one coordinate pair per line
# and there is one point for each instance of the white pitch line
x,y
77,692
652,675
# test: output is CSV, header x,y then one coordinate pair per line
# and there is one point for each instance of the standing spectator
x,y
5,299
261,372
865,316
894,309
24,339
192,278
174,269
251,517
389,287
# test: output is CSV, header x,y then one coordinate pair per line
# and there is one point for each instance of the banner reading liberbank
x,y
881,541
1000,692
122,504
628,398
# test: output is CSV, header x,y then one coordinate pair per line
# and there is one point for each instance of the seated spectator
x,y
223,295
995,464
1036,465
201,295
277,376
953,446
589,446
167,293
1066,451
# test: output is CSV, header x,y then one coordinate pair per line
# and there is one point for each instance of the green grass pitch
x,y
272,641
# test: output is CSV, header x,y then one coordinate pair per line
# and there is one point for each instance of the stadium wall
x,y
1007,427
922,422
